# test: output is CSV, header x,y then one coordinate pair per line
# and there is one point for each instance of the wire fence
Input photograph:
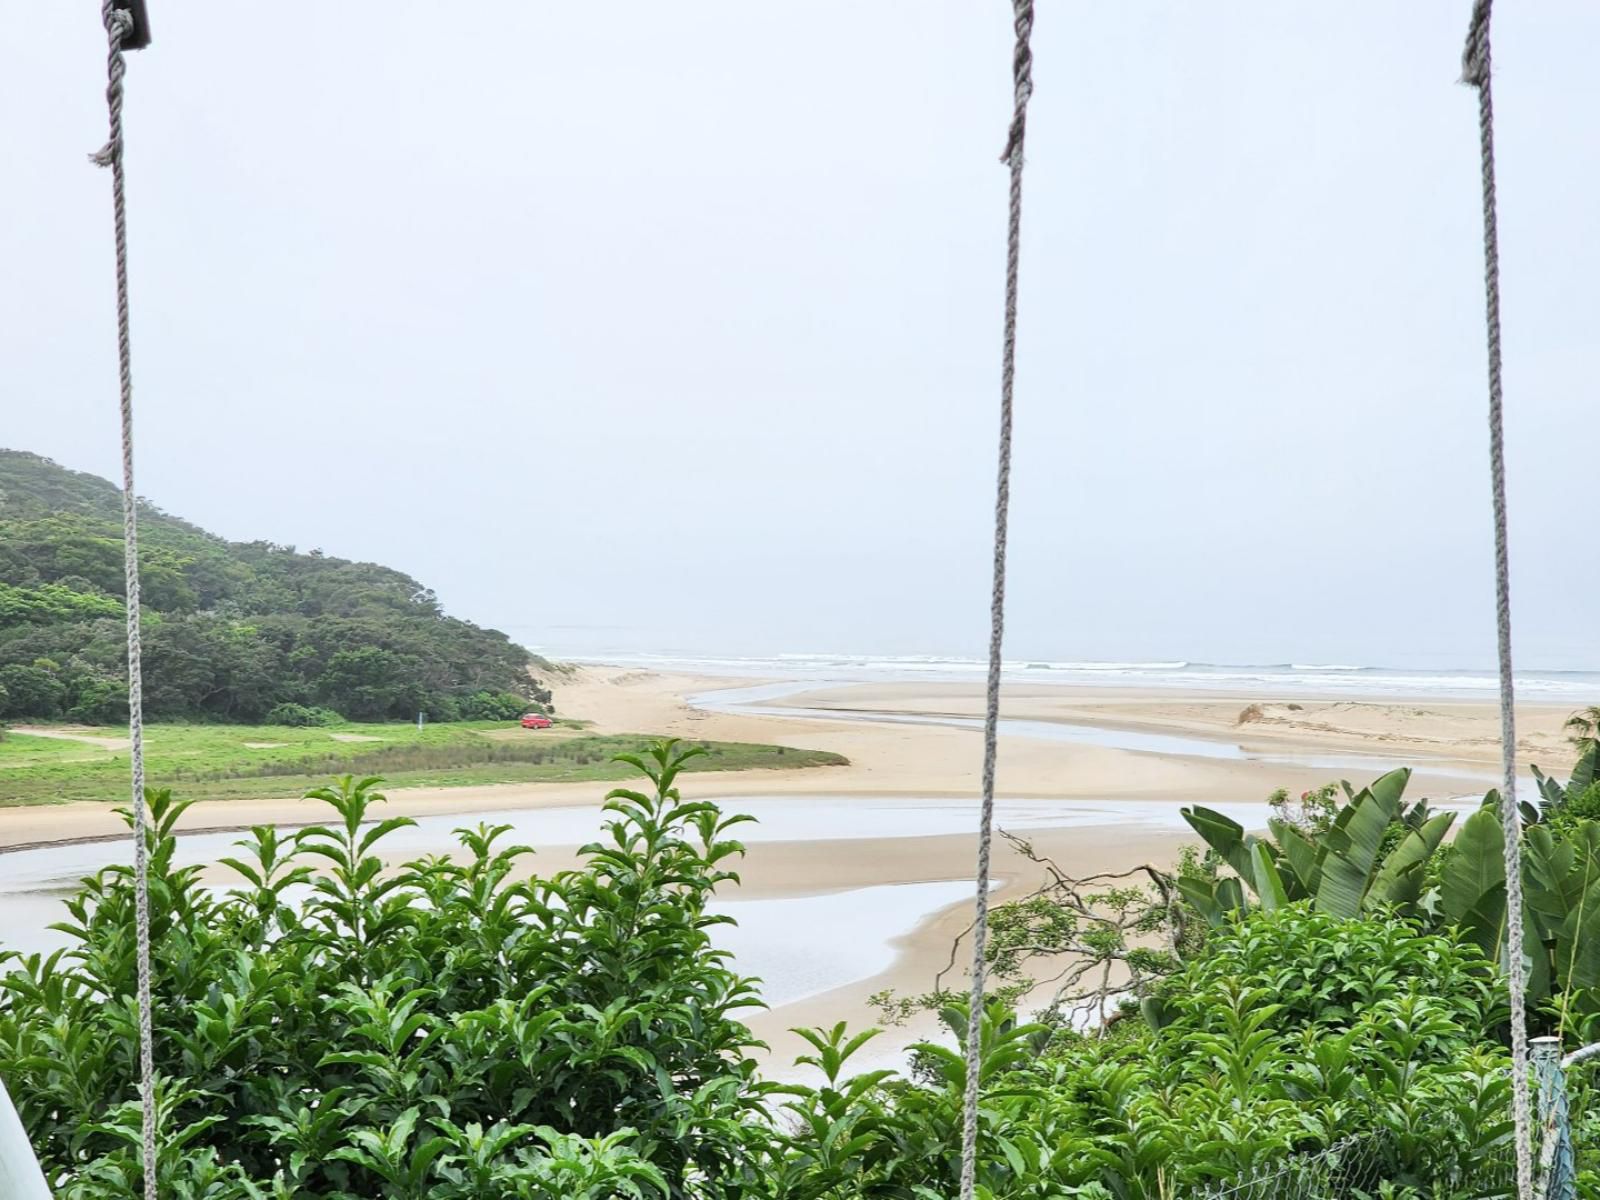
x,y
1357,1168
1351,1166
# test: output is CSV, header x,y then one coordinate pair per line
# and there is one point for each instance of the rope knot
x,y
119,24
1475,56
1022,75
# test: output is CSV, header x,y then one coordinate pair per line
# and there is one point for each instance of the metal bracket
x,y
1582,1055
138,37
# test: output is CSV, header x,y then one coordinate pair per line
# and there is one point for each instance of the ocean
x,y
1577,686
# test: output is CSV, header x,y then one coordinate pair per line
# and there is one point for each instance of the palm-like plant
x,y
1583,727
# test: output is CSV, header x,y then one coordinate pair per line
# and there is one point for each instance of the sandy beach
x,y
1217,749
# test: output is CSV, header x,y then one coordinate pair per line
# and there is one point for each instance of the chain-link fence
x,y
1558,1158
1352,1166
1356,1168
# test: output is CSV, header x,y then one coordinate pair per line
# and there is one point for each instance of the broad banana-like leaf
x,y
1303,859
1156,1014
1584,842
1472,887
1398,881
1387,802
1550,886
1584,771
1347,872
1230,895
1473,896
1418,815
1343,887
1400,889
1335,837
1268,886
1547,869
1539,965
1577,956
1215,901
1202,897
1551,791
1223,834
1485,923
1388,789
1435,829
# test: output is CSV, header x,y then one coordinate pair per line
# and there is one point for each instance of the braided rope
x,y
118,25
1022,72
1476,70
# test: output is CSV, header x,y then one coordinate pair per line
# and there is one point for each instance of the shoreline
x,y
1445,740
1448,742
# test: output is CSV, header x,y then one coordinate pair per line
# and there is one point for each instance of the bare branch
x,y
1096,918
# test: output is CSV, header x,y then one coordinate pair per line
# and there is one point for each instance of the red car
x,y
535,721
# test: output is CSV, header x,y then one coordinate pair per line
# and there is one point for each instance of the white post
x,y
20,1176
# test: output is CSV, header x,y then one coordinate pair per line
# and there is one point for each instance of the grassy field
x,y
239,762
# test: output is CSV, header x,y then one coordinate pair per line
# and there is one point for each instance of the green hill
x,y
232,631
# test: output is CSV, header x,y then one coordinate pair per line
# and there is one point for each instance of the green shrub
x,y
1295,1030
444,708
302,716
330,1029
494,706
441,1031
98,698
1582,806
31,691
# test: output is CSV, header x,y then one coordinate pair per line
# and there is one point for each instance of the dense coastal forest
x,y
233,631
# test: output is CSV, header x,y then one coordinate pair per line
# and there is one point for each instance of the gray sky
x,y
679,323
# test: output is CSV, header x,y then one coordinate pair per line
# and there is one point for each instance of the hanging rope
x,y
118,25
1022,72
1476,70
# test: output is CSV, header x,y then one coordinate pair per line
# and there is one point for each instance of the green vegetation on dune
x,y
231,630
238,762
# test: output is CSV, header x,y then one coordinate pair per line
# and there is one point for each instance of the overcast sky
x,y
677,326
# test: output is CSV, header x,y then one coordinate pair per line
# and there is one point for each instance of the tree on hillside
x,y
231,630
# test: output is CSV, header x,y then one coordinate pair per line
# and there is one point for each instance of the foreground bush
x,y
441,1031
1296,1031
333,1029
